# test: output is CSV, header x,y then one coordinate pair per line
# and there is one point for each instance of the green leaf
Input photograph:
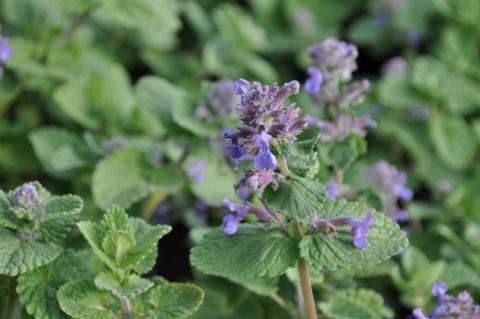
x,y
37,289
114,250
61,213
80,299
129,287
217,183
251,252
60,151
296,197
159,96
354,304
17,256
395,91
452,138
125,177
169,301
385,239
264,286
344,154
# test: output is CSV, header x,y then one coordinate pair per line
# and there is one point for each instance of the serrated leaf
x,y
170,301
17,257
385,239
296,197
354,304
37,289
144,241
451,137
129,287
125,177
264,286
59,151
251,252
80,299
61,213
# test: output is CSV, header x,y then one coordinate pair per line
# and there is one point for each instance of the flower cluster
x,y
333,63
220,103
5,52
26,202
266,123
390,183
359,228
450,307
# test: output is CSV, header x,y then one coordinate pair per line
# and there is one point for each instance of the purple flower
x,y
344,127
241,86
360,230
26,197
196,171
414,37
418,314
314,81
448,306
222,98
114,143
333,190
439,290
258,180
230,222
394,65
5,50
264,159
390,184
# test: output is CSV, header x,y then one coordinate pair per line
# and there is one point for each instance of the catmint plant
x,y
32,222
128,248
293,224
449,306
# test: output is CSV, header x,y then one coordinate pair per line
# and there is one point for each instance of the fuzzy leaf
x,y
451,137
80,299
125,177
169,301
118,252
17,257
59,151
251,252
61,213
385,239
296,197
131,286
354,304
38,289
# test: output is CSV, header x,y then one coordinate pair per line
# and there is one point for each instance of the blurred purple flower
x,y
414,37
390,183
26,197
450,307
394,65
314,81
196,171
344,126
5,50
333,190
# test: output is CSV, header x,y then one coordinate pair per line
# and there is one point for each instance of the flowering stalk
x,y
11,301
126,308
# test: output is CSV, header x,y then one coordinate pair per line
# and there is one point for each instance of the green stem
x,y
126,308
11,301
305,283
282,163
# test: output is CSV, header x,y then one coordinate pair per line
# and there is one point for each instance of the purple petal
x,y
5,50
265,160
197,171
314,81
418,314
360,230
241,86
230,224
